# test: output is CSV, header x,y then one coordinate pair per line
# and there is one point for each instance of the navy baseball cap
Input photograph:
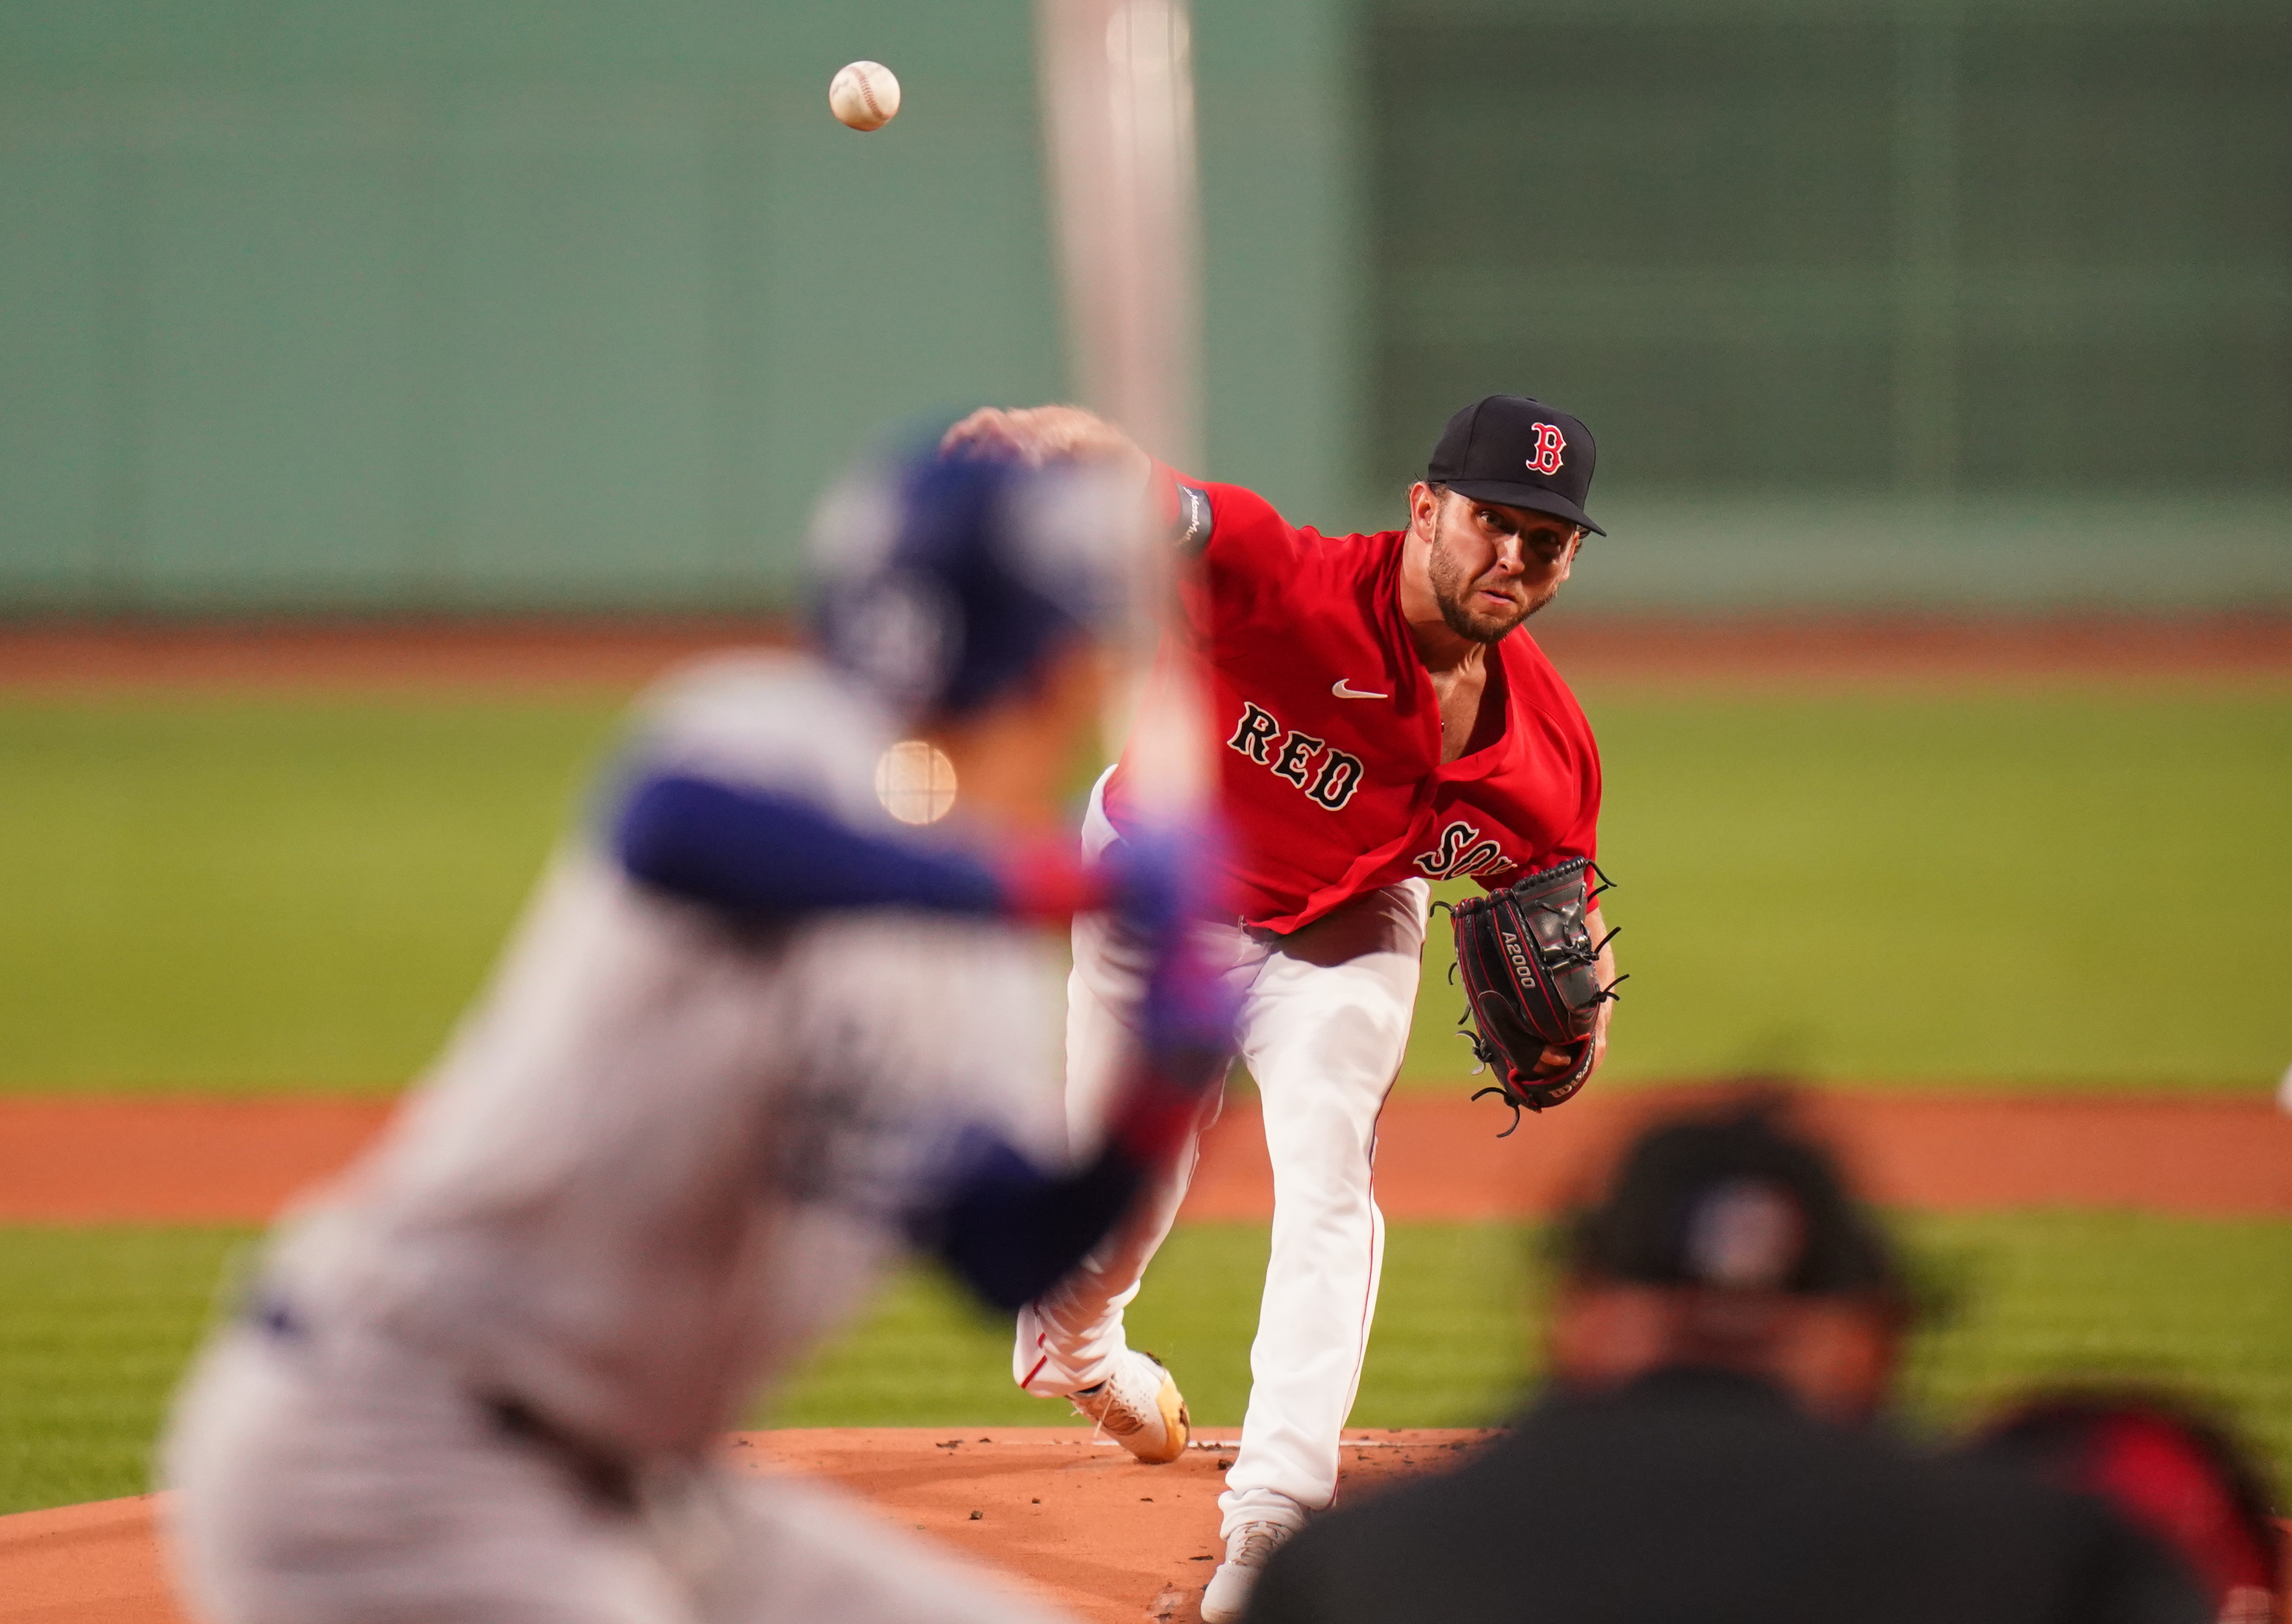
x,y
1521,452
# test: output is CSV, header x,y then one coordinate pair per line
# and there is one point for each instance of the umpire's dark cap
x,y
1734,1198
1521,452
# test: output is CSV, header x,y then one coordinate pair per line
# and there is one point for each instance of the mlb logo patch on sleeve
x,y
1194,519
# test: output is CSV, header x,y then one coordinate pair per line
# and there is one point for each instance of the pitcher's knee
x,y
1327,1192
1358,1041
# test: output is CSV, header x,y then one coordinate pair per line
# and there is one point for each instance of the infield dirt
x,y
1071,1519
619,654
97,1161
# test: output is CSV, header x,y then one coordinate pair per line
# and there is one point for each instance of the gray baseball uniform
x,y
480,1377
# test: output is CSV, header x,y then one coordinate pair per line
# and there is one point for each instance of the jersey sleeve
x,y
746,788
750,853
1239,548
1583,839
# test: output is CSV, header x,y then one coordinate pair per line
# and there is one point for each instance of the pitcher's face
x,y
1492,565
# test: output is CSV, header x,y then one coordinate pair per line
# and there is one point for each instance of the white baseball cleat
x,y
1140,1408
1245,1555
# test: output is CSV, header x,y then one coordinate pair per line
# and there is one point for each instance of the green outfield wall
x,y
1902,301
418,305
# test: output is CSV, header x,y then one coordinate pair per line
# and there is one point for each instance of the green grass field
x,y
96,1328
301,893
264,895
2020,1299
100,1322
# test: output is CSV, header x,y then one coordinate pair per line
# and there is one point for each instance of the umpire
x,y
1726,1330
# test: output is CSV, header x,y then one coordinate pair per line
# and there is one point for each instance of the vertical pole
x,y
1118,126
1118,121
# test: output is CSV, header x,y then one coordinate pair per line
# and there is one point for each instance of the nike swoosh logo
x,y
1339,688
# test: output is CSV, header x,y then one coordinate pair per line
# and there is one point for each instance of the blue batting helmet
x,y
941,581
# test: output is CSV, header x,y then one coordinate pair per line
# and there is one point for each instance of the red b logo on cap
x,y
1550,442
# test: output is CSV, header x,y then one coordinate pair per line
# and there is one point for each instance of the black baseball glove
x,y
1531,975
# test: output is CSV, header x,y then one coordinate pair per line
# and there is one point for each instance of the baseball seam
x,y
867,93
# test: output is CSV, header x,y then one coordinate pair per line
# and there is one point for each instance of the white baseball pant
x,y
1325,1015
348,1479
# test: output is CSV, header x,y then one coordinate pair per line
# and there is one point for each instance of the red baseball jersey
x,y
1329,732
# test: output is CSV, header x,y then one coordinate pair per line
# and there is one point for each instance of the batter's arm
x,y
1013,1229
755,855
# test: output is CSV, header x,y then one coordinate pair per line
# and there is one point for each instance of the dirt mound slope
x,y
1085,1525
84,1564
1073,1519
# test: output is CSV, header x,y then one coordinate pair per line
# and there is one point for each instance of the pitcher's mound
x,y
1089,1528
1075,1519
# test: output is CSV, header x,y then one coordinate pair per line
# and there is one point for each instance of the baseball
x,y
865,95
